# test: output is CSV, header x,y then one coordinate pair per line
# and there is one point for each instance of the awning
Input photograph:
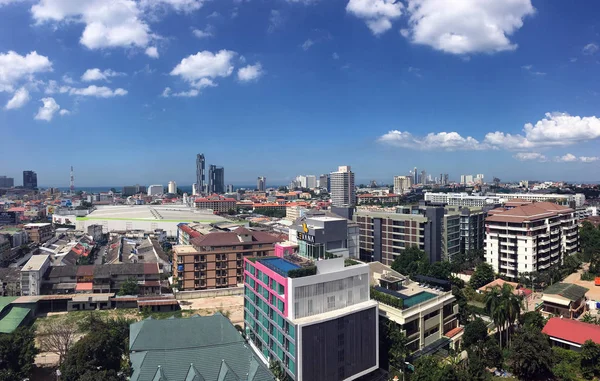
x,y
556,300
84,286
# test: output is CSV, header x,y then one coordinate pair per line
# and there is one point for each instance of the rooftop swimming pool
x,y
279,265
415,299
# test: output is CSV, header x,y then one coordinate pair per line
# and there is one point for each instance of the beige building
x,y
402,184
39,232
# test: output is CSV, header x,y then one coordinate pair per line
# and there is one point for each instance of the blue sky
x,y
129,91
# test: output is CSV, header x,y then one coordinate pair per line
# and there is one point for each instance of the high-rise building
x,y
317,319
29,180
343,192
216,179
200,176
423,178
311,181
229,188
130,190
324,182
7,182
172,187
261,184
154,190
402,184
529,238
415,175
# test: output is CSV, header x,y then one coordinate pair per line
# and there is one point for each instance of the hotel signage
x,y
306,237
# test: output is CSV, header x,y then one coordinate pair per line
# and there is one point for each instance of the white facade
x,y
195,191
402,184
343,192
311,182
32,273
172,187
154,190
464,199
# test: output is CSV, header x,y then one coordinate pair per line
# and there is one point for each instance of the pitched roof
x,y
531,212
570,291
192,349
573,331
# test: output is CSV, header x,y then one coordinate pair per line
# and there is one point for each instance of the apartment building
x,y
450,245
216,260
465,199
216,203
531,237
343,192
402,184
316,319
32,273
427,315
472,229
39,232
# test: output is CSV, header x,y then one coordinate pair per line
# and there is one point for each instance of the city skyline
x,y
382,89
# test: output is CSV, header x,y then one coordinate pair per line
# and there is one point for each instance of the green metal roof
x,y
570,291
5,301
13,319
192,349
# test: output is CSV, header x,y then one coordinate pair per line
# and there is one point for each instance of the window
x,y
331,302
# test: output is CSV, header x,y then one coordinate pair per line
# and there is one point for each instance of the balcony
x,y
431,322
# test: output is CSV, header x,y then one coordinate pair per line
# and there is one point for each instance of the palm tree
x,y
493,305
512,306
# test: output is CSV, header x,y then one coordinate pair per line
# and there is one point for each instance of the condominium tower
x,y
261,184
200,176
342,187
402,184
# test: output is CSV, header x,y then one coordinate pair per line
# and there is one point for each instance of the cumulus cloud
x,y
590,49
447,141
166,92
250,73
207,32
19,99
179,5
64,112
47,111
378,14
198,85
468,26
307,44
15,67
152,52
567,158
189,93
98,92
556,129
96,74
588,159
530,156
205,64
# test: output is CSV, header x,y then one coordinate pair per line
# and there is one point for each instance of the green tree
x,y
590,359
476,367
495,309
393,343
567,364
476,332
411,262
17,354
532,320
511,304
484,274
530,355
278,371
129,287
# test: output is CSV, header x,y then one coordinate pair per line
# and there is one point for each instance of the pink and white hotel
x,y
317,319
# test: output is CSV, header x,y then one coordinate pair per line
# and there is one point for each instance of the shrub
x,y
302,272
387,299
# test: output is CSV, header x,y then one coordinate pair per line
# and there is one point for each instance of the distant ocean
x,y
185,189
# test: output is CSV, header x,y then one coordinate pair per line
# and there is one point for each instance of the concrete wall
x,y
185,295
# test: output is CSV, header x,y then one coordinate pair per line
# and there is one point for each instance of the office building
x,y
39,232
200,174
320,235
130,190
316,319
402,184
198,348
172,188
261,184
6,182
216,203
415,175
343,192
155,190
29,180
427,316
216,179
385,235
324,182
32,273
215,260
528,238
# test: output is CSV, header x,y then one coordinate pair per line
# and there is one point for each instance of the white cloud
x,y
529,69
467,26
198,85
590,49
307,44
448,141
205,64
64,112
19,99
189,93
179,5
335,56
15,67
116,23
530,156
68,80
556,129
96,74
567,158
378,14
250,73
588,159
152,52
215,14
166,92
7,2
275,20
98,92
47,111
207,32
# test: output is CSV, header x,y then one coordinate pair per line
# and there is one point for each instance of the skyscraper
x,y
216,179
342,187
261,184
200,177
324,182
6,182
423,177
416,176
402,184
29,180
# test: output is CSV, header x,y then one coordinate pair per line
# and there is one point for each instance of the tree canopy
x,y
17,354
475,332
129,287
484,274
530,355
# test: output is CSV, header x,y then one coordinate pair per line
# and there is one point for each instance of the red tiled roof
x,y
84,286
453,332
573,331
191,232
151,268
16,209
531,212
